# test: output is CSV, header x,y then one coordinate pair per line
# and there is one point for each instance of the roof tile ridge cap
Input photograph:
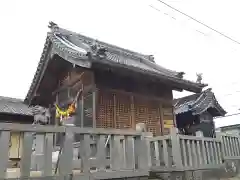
x,y
188,81
202,85
199,85
159,67
122,51
115,48
54,38
142,57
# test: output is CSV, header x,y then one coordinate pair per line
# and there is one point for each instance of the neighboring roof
x,y
230,127
198,103
75,48
14,106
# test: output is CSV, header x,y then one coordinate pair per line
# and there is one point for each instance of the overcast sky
x,y
177,42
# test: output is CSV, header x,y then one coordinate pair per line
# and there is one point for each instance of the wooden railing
x,y
176,152
160,152
230,145
123,155
111,153
200,152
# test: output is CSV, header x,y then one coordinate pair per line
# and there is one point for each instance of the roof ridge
x,y
194,94
56,28
146,59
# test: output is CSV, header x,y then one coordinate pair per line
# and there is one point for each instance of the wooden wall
x,y
123,102
116,109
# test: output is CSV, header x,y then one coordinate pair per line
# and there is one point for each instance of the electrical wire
x,y
194,19
216,31
173,18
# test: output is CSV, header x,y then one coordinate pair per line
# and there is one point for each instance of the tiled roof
x,y
74,48
230,127
14,106
77,45
198,103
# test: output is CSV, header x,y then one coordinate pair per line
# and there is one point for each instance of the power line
x,y
194,19
173,18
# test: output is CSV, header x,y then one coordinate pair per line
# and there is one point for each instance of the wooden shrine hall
x,y
96,84
104,93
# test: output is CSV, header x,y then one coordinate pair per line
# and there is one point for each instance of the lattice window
x,y
123,111
105,111
148,112
140,110
154,117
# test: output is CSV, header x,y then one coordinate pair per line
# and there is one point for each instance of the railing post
x,y
222,149
37,156
4,149
66,157
145,155
176,148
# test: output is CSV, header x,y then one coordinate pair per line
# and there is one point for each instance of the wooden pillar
x,y
133,120
56,122
174,117
114,111
161,119
82,108
94,108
